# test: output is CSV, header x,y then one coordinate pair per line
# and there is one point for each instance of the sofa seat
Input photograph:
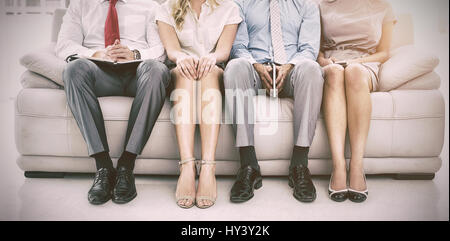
x,y
405,137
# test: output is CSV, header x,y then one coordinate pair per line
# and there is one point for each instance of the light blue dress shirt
x,y
300,21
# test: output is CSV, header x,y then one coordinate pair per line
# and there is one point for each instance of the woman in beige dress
x,y
356,40
197,35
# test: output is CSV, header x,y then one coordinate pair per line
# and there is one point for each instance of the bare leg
x,y
184,96
210,103
358,86
335,113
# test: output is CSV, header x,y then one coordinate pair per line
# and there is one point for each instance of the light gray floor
x,y
65,199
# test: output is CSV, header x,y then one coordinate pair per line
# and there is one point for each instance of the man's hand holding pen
x,y
282,72
266,74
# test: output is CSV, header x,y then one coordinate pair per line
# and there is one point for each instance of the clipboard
x,y
105,62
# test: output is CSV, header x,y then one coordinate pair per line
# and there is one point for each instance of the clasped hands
x,y
116,52
265,73
194,68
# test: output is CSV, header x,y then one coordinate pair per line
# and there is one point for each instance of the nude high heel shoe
x,y
185,197
208,198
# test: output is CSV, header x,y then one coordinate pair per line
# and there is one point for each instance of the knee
x,y
235,65
176,74
152,66
308,65
178,77
308,68
236,72
216,72
156,72
334,76
356,77
77,71
308,72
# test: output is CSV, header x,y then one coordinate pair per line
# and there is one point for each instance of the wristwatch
x,y
137,54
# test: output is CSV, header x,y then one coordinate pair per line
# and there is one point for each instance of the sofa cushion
x,y
45,63
33,80
405,64
404,124
429,81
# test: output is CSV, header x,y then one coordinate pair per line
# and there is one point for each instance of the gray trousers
x,y
85,81
304,84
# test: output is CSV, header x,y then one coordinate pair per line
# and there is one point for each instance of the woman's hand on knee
x,y
187,66
206,64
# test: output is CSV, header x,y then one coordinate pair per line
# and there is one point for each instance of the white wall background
x,y
431,30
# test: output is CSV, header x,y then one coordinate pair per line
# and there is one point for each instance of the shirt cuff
x,y
151,54
145,54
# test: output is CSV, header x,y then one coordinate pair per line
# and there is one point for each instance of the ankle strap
x,y
192,159
206,162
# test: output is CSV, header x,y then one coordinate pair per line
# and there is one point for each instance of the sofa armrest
x,y
405,64
45,62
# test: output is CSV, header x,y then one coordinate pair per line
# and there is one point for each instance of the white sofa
x,y
405,139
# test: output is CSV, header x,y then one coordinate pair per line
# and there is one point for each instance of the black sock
x,y
103,160
127,160
299,156
248,157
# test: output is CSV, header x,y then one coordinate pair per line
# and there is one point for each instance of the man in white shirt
x,y
116,30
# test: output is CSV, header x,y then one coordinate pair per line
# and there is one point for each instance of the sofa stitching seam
x,y
392,125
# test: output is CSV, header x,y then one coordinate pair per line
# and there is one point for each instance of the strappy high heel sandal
x,y
337,195
207,198
358,196
186,197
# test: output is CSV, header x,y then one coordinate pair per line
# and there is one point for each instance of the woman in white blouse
x,y
198,36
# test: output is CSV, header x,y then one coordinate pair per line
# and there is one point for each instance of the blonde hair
x,y
179,10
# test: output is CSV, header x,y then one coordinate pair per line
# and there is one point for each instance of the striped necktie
x,y
279,53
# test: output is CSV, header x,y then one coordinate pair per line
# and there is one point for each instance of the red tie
x,y
111,24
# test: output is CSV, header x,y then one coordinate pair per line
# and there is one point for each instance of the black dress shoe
x,y
247,180
125,189
300,180
100,191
